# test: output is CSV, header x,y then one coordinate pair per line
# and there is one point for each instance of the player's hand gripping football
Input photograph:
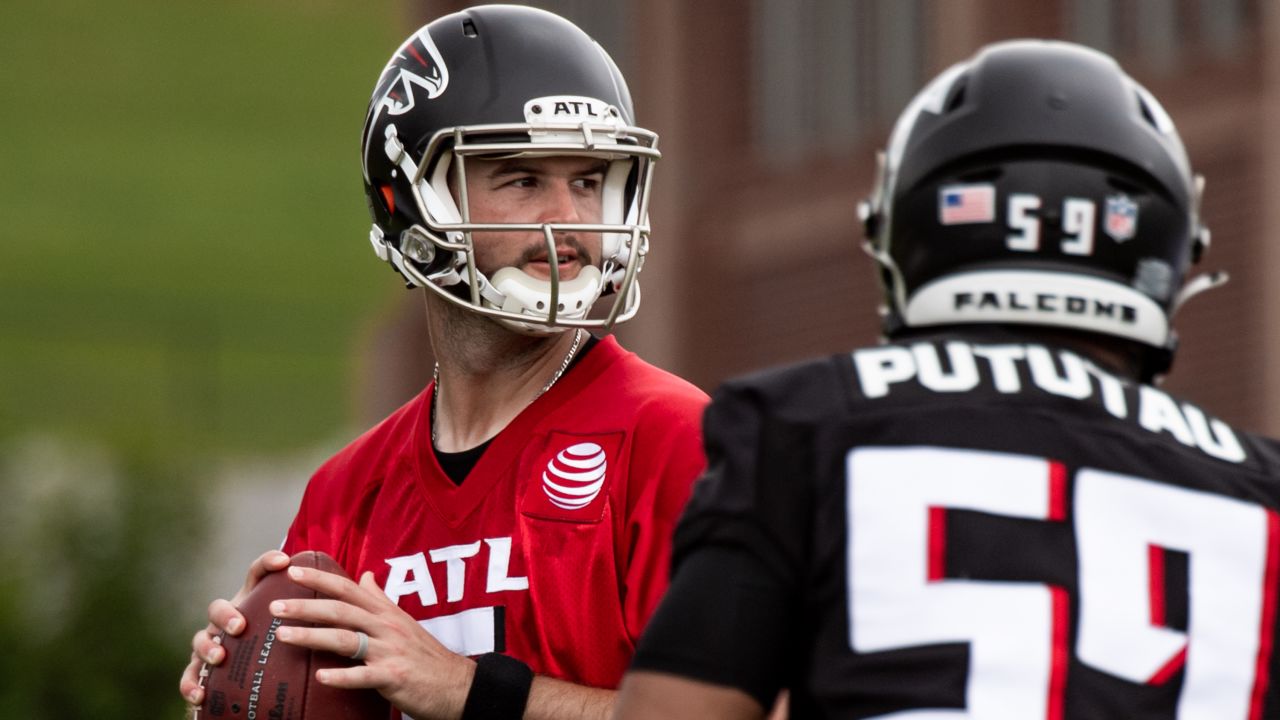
x,y
223,616
403,661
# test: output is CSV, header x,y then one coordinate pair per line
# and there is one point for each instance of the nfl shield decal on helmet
x,y
572,477
1121,219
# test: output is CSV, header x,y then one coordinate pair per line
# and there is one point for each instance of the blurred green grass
x,y
183,278
182,256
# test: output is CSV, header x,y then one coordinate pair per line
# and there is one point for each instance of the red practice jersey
x,y
555,549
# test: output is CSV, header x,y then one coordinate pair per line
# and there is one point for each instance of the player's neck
x,y
487,375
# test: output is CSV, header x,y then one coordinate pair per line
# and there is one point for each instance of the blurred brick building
x,y
771,111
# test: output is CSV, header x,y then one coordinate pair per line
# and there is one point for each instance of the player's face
x,y
535,190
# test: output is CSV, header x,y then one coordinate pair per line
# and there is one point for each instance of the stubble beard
x,y
478,343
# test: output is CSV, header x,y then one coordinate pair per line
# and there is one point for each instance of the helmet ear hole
x,y
982,175
870,217
1145,109
1125,186
957,97
1199,245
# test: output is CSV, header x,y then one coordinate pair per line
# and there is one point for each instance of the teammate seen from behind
x,y
993,515
510,527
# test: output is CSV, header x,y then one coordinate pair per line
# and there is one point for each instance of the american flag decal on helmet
x,y
966,204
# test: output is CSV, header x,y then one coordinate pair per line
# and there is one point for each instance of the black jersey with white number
x,y
950,528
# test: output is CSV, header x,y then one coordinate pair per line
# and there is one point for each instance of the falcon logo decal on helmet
x,y
417,64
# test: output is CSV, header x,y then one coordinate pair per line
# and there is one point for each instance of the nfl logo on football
x,y
1121,218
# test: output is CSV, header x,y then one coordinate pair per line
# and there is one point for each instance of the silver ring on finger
x,y
362,647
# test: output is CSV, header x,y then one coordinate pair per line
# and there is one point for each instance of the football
x,y
262,679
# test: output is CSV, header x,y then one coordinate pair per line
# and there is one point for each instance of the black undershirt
x,y
457,465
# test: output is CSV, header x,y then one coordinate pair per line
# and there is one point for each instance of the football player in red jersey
x,y
510,527
994,515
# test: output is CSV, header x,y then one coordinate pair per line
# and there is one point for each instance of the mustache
x,y
571,242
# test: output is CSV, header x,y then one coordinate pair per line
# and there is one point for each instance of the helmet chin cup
x,y
527,295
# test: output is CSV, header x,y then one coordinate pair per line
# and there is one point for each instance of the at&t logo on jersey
x,y
572,477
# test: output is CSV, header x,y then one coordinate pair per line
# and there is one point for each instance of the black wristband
x,y
499,690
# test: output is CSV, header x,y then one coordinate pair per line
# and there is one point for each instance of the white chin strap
x,y
527,295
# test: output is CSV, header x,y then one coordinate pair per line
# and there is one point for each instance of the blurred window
x,y
1165,35
826,72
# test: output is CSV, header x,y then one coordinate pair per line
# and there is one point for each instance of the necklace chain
x,y
564,365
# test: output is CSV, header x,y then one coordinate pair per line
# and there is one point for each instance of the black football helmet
x,y
1037,183
504,81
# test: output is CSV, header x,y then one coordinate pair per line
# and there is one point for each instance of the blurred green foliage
x,y
183,276
184,226
96,556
